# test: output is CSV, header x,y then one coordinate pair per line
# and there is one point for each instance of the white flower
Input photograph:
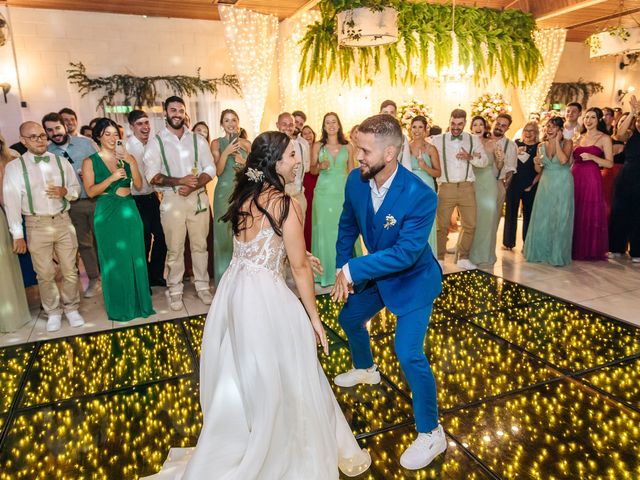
x,y
254,175
390,221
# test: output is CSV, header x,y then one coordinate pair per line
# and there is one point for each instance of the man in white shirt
x,y
456,185
509,152
572,124
147,202
390,108
179,164
40,186
287,126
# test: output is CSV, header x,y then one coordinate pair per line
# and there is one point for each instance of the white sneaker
x,y
466,264
75,319
356,376
635,259
54,322
205,296
93,288
175,302
424,449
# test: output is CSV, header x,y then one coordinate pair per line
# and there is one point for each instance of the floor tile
x,y
91,324
13,365
194,327
622,381
625,306
19,336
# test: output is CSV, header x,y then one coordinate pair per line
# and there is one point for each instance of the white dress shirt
x,y
180,156
302,149
405,154
455,170
510,157
571,133
136,148
15,191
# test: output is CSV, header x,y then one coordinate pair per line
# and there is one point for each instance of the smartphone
x,y
233,137
120,149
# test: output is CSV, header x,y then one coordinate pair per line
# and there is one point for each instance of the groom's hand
x,y
342,288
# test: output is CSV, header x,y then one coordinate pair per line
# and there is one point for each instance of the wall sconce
x,y
623,93
5,89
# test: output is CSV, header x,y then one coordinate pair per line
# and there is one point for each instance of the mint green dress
x,y
121,251
222,236
483,248
550,233
328,198
429,180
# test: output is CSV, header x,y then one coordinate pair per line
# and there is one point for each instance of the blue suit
x,y
400,272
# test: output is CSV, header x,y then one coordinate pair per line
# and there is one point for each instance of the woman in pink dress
x,y
593,150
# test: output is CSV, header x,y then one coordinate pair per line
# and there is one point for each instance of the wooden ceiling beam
x,y
546,9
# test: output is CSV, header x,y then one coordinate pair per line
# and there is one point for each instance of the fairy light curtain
x,y
251,41
550,42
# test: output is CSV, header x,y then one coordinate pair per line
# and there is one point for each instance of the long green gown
x,y
429,180
550,233
120,239
14,310
483,248
328,198
222,237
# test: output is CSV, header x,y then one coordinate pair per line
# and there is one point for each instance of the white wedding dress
x,y
269,412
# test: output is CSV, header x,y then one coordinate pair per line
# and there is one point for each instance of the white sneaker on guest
x,y
635,259
466,264
356,376
205,296
424,449
54,322
93,288
75,319
175,302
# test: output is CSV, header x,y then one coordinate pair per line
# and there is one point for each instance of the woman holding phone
x,y
108,175
229,154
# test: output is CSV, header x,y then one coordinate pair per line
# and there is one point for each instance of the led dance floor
x,y
529,387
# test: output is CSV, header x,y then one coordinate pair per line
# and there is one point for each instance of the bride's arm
x,y
293,236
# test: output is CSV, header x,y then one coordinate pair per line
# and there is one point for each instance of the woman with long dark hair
x,y
269,412
309,182
332,160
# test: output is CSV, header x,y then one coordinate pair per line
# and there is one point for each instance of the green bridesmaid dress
x,y
120,239
328,198
429,180
483,248
550,233
222,237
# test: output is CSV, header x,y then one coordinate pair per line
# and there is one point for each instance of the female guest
x,y
309,182
624,226
229,153
425,162
483,248
14,309
620,136
551,226
593,150
522,186
202,129
108,175
332,159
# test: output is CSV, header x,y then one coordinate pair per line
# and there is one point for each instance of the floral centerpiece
x,y
410,109
489,106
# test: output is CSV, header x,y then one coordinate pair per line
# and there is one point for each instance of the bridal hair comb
x,y
254,175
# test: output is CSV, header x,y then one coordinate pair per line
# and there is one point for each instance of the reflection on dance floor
x,y
529,387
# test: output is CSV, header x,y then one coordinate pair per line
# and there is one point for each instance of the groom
x,y
393,210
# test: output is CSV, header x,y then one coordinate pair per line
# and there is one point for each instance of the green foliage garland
x,y
579,91
494,40
141,91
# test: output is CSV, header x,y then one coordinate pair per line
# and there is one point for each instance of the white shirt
x,y
136,148
570,133
15,192
458,170
180,156
510,157
405,155
302,149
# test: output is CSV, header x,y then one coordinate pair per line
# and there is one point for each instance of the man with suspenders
x,y
508,150
40,186
456,185
178,163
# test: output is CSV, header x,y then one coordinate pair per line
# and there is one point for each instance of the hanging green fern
x,y
141,91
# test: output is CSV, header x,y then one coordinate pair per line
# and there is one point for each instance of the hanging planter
x,y
363,27
614,41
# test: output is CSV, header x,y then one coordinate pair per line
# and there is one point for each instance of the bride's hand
x,y
321,335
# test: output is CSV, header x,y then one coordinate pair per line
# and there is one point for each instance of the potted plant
x,y
365,23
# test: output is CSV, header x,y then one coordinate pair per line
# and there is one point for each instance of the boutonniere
x,y
390,221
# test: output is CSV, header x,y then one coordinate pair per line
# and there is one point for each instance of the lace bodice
x,y
264,252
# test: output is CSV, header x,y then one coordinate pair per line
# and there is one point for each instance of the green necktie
x,y
38,159
458,137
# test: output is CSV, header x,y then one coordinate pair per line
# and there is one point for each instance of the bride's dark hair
x,y
266,150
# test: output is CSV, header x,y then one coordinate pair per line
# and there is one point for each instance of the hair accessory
x,y
254,175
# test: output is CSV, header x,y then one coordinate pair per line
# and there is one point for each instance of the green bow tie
x,y
458,137
38,159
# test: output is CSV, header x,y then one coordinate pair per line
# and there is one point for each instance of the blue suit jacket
x,y
400,260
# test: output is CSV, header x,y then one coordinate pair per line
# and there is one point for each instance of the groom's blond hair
x,y
383,127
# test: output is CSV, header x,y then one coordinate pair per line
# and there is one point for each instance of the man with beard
x,y
147,202
75,149
286,125
299,118
508,150
70,120
178,163
394,211
389,107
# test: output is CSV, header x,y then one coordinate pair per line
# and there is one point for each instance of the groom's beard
x,y
372,172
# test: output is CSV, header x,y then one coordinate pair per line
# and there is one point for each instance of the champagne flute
x,y
194,171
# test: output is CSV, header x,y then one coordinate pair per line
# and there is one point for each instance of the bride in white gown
x,y
269,412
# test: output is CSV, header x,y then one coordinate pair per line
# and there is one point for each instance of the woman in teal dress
x,y
483,248
332,160
425,163
229,153
108,175
550,232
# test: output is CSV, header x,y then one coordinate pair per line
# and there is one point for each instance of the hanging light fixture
x,y
454,71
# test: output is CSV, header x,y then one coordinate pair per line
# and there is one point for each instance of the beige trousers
x,y
178,216
46,237
450,196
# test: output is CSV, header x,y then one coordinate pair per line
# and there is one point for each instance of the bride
x,y
269,412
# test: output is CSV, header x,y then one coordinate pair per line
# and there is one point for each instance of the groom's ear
x,y
390,153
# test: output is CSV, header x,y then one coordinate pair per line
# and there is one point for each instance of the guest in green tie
x,y
108,175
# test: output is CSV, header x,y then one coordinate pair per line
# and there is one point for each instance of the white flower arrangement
x,y
490,105
411,109
390,221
